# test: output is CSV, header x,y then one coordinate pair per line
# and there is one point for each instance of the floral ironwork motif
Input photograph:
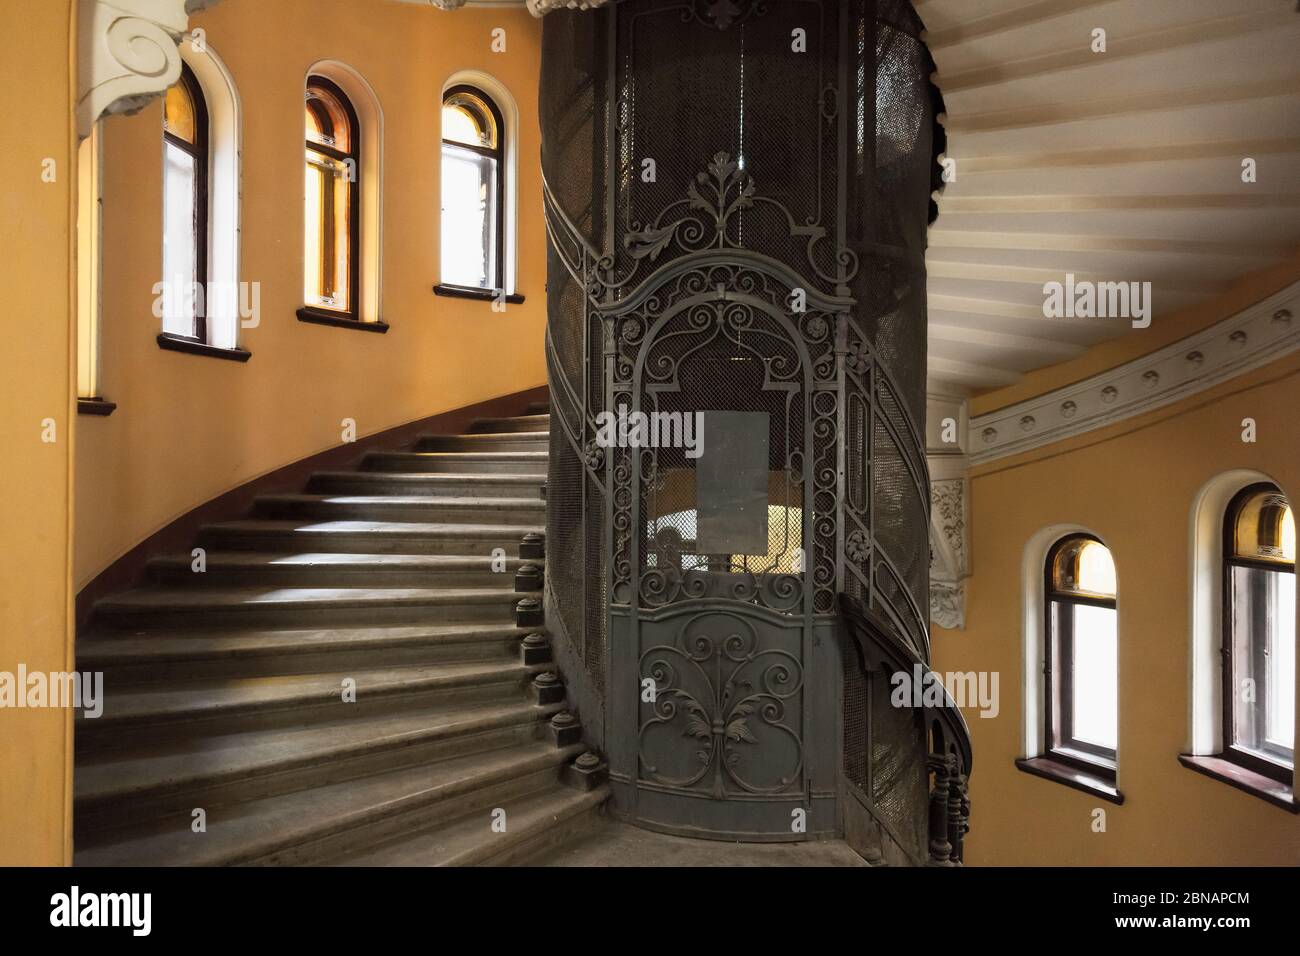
x,y
708,219
718,687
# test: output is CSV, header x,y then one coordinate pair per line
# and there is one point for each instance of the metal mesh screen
x,y
899,785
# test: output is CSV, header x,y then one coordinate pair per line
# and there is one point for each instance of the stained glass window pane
x,y
178,113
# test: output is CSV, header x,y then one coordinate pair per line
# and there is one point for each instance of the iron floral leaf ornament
x,y
719,194
703,220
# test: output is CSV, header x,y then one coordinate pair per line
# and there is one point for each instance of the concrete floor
x,y
619,844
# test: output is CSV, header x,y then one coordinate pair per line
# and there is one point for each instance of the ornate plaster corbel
x,y
949,549
127,54
946,456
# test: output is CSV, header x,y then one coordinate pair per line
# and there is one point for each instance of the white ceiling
x,y
1116,166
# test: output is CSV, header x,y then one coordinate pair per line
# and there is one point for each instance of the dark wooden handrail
x,y
876,638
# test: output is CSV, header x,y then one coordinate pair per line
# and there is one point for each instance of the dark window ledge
x,y
482,295
174,343
318,317
1217,767
1095,782
95,406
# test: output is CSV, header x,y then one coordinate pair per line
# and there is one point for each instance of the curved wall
x,y
188,428
1136,484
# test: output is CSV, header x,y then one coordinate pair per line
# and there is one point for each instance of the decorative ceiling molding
x,y
1169,157
127,54
540,8
1254,337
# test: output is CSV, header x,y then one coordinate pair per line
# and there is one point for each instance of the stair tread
x,y
186,598
541,418
540,434
470,839
256,828
361,526
418,501
214,696
378,561
106,648
433,477
215,757
468,455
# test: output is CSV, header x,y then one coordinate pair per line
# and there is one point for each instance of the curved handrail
x,y
873,632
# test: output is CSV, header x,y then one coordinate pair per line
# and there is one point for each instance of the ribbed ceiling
x,y
1116,166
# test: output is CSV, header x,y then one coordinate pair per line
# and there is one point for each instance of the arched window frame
x,y
1273,762
1041,754
199,149
501,281
354,154
1062,742
226,301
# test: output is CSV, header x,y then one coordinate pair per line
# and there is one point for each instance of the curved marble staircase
x,y
226,687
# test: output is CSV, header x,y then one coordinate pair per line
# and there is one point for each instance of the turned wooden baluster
x,y
958,809
940,847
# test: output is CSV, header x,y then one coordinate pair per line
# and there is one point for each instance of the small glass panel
x,y
1263,661
328,123
327,232
178,113
1094,716
469,224
1084,568
180,255
467,119
1265,529
731,484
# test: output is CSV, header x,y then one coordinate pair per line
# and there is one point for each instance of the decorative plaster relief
x,y
127,54
1254,337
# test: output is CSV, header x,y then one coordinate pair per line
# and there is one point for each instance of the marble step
x,y
450,484
393,507
187,653
118,788
326,822
325,569
302,605
486,441
520,423
168,710
445,462
534,823
464,539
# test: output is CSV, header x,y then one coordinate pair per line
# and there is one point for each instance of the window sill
x,y
95,406
1088,781
174,343
325,318
1248,781
482,295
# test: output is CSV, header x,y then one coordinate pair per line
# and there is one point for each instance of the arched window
x,y
333,201
1081,656
185,210
473,192
1259,639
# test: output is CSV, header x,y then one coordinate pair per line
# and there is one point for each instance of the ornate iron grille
x,y
736,197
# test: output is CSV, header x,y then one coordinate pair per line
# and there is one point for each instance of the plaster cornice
x,y
1260,334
